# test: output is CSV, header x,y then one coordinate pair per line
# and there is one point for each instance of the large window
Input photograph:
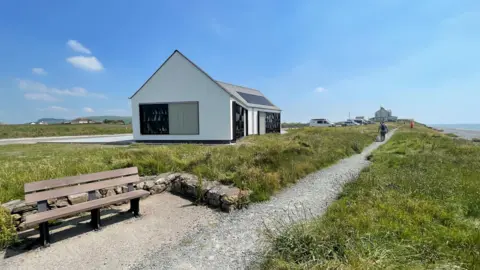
x,y
239,115
169,119
272,122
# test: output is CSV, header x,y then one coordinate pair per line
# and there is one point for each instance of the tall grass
x,y
29,131
416,207
263,164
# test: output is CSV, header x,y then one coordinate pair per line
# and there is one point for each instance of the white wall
x,y
178,80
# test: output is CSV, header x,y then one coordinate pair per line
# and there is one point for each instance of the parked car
x,y
350,122
361,121
321,123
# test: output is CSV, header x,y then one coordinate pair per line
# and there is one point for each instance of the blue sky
x,y
420,59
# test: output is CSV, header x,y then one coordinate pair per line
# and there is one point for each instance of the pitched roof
x,y
248,96
251,97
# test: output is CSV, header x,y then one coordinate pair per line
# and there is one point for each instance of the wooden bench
x,y
42,191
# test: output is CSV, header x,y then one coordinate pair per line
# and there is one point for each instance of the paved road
x,y
65,139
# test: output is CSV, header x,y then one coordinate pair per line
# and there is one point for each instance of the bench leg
x,y
95,220
44,234
135,207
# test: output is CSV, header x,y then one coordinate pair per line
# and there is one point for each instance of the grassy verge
x,y
263,164
416,207
30,131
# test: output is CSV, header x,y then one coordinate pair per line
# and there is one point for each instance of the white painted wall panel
x,y
180,81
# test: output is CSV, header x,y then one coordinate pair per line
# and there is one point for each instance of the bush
x,y
8,234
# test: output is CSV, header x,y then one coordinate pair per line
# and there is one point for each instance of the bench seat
x,y
45,216
42,191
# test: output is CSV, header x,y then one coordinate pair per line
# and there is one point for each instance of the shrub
x,y
8,234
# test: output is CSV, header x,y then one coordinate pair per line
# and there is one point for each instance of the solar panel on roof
x,y
254,99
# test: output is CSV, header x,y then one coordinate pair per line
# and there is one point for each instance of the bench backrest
x,y
55,188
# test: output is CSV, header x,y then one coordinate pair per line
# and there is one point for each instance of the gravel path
x,y
119,245
236,242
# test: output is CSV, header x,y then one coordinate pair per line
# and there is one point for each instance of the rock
x,y
51,202
161,181
190,187
214,195
206,186
140,185
16,217
21,227
98,195
110,192
228,207
172,177
158,189
231,196
24,216
124,189
11,204
176,187
149,184
23,207
77,198
62,202
118,190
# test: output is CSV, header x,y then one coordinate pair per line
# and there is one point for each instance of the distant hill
x,y
126,119
52,120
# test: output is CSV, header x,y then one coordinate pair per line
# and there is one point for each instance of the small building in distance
x,y
83,121
384,115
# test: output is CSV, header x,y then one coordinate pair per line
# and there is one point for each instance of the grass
x,y
29,131
264,164
416,207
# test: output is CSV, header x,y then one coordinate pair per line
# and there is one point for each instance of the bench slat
x,y
78,179
82,207
65,191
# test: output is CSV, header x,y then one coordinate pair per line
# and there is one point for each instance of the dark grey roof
x,y
251,97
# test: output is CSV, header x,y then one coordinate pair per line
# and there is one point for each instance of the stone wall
x,y
206,192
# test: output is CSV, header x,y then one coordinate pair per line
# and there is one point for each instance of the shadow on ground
x,y
68,228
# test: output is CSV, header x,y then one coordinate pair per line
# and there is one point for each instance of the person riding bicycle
x,y
383,130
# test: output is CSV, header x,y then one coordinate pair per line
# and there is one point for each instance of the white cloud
x,y
88,110
40,97
90,63
78,47
320,89
28,85
39,71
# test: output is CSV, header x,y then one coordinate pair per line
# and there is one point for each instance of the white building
x,y
182,103
384,115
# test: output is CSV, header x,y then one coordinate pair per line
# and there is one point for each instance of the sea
x,y
459,126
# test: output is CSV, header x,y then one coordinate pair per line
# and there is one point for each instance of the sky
x,y
311,58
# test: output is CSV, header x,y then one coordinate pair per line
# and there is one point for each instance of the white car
x,y
350,122
321,123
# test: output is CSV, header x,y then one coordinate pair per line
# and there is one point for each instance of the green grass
x,y
29,131
263,164
416,207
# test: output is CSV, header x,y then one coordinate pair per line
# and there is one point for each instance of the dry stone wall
x,y
187,185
